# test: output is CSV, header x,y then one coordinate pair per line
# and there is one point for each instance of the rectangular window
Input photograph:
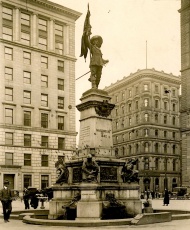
x,y
145,87
44,141
165,119
8,94
60,102
27,97
59,30
60,84
61,143
130,93
174,107
129,107
44,120
42,24
156,104
146,163
8,158
25,19
44,81
8,116
8,53
27,181
137,105
27,58
7,13
146,102
27,140
27,118
44,62
27,77
27,159
25,38
8,73
44,181
173,92
44,100
44,160
60,122
43,43
156,88
59,47
165,105
165,134
8,33
60,65
173,135
8,138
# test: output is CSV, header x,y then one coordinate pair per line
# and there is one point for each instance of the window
x,y
42,43
27,118
174,149
8,158
7,33
174,107
137,104
60,102
137,90
165,148
146,132
44,160
27,77
130,149
156,118
61,158
8,116
156,88
173,92
146,163
116,112
123,96
130,93
173,120
59,30
27,180
59,47
165,119
7,13
173,135
137,148
130,135
156,148
25,19
137,119
117,125
8,94
123,150
44,100
44,62
145,87
44,120
61,143
44,181
42,24
116,98
61,65
27,97
27,140
8,73
146,102
27,58
60,84
165,105
25,38
123,110
44,81
156,104
129,107
27,159
156,133
157,164
137,133
60,122
44,141
8,53
146,116
129,121
174,165
165,134
8,138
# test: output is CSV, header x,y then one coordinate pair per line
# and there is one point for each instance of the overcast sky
x,y
125,26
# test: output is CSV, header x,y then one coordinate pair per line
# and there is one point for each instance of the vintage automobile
x,y
180,193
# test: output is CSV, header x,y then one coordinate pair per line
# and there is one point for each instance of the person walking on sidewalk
x,y
26,198
166,198
6,200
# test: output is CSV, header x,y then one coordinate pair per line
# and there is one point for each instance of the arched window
x,y
165,148
130,149
173,149
123,150
156,132
165,119
146,163
174,164
146,116
156,118
146,102
137,148
156,148
173,120
156,163
146,147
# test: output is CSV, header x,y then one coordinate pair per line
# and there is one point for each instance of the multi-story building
x,y
185,84
146,126
37,103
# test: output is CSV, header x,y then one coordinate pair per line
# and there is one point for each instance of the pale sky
x,y
125,26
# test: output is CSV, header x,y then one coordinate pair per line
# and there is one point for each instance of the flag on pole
x,y
85,36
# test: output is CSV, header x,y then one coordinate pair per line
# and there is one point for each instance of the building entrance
x,y
10,178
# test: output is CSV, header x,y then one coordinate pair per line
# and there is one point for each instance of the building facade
x,y
185,84
146,126
37,103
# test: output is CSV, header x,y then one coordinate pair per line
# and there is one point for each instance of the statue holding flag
x,y
93,44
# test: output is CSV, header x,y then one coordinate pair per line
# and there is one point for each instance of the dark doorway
x,y
10,178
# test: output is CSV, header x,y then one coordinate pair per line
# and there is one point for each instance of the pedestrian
x,y
26,196
6,200
166,198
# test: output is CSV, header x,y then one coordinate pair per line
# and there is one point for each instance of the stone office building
x,y
185,97
146,126
37,103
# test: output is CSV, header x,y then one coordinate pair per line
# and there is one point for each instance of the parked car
x,y
180,193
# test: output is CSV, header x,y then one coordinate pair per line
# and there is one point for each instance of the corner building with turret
x,y
37,103
146,126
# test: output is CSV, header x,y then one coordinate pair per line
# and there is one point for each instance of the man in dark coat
x,y
26,196
6,200
166,197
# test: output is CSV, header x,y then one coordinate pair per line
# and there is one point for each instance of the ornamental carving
x,y
77,175
104,108
108,174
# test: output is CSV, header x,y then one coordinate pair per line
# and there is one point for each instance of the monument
x,y
103,181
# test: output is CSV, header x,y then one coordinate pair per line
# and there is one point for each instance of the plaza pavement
x,y
157,204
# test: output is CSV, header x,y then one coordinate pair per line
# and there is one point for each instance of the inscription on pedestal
x,y
77,175
88,195
108,174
